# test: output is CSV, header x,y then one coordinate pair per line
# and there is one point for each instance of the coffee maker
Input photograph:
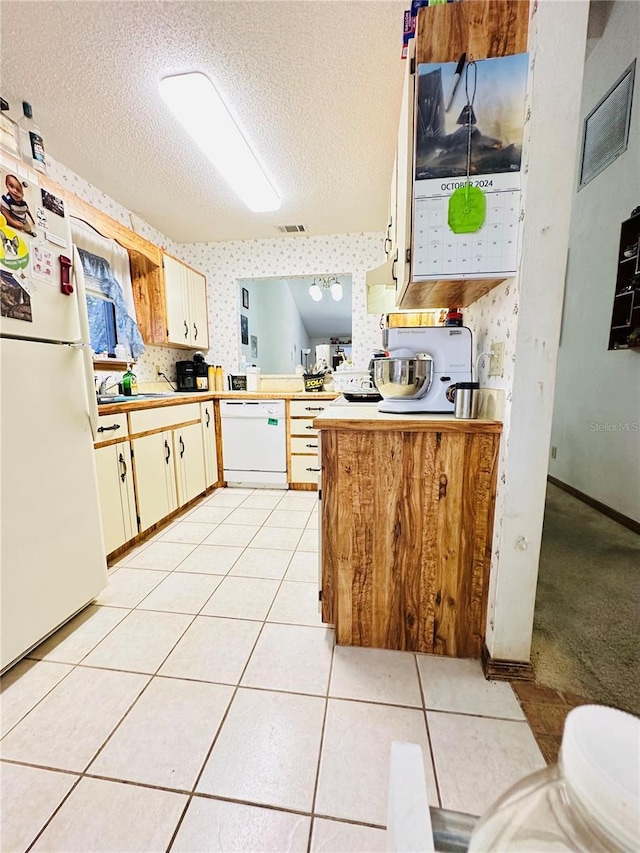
x,y
450,349
193,375
186,373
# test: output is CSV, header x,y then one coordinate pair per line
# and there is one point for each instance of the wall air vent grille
x,y
606,128
292,229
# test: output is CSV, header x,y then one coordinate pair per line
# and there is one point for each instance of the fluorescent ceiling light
x,y
197,105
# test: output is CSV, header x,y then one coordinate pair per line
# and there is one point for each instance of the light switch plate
x,y
496,360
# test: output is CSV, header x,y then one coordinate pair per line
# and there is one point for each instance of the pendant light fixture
x,y
321,283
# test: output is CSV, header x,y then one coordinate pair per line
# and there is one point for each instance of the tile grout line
x,y
426,725
321,746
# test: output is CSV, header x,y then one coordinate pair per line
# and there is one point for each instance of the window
x,y
102,323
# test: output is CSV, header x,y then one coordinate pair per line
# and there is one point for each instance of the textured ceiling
x,y
316,85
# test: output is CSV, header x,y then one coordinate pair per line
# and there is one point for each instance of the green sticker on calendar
x,y
273,422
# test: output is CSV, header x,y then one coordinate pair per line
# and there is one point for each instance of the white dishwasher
x,y
254,442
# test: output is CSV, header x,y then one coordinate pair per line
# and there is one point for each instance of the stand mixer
x,y
444,352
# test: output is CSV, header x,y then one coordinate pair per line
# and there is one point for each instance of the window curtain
x,y
99,273
112,277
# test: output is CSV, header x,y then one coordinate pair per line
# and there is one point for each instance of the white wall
x,y
598,392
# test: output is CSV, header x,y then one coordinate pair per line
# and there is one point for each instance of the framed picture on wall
x,y
244,328
254,346
245,298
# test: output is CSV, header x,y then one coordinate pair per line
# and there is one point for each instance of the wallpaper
x,y
224,263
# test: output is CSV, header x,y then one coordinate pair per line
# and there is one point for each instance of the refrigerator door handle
x,y
87,350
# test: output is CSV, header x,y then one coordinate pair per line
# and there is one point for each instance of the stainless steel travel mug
x,y
466,399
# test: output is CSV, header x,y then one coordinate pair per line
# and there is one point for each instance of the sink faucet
x,y
105,386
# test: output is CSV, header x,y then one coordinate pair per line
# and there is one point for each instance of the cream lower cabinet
x,y
155,477
303,441
189,462
117,495
209,443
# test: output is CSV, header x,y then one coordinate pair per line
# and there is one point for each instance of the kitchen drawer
x,y
302,426
304,469
307,408
145,420
308,445
112,426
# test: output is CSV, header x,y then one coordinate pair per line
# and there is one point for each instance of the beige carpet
x,y
586,636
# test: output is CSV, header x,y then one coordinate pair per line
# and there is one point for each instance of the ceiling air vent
x,y
292,229
606,128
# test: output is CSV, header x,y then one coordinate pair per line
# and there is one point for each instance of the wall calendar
x,y
469,126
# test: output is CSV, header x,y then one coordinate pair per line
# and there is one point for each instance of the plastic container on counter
x,y
589,801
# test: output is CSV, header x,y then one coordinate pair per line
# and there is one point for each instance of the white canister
x,y
253,377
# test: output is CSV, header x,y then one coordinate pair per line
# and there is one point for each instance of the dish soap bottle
x,y
129,383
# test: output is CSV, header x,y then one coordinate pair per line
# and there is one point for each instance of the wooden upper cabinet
x,y
186,301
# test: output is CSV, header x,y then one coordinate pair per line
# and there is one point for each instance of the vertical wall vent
x,y
606,128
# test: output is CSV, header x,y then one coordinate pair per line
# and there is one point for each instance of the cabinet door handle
x,y
106,429
314,408
186,330
195,332
168,449
314,469
309,427
181,447
393,269
123,475
311,445
208,418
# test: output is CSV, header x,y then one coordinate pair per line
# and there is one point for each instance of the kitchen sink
x,y
120,398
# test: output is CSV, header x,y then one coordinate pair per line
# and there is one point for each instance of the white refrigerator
x,y
52,558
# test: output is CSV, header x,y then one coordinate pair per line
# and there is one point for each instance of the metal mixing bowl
x,y
403,378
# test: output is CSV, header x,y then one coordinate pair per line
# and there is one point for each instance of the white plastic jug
x,y
253,377
588,802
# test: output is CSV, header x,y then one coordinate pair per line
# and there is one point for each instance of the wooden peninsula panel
x,y
407,521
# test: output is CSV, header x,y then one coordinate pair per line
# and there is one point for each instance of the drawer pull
x,y
181,447
314,408
312,445
208,418
168,449
106,429
310,427
123,476
314,469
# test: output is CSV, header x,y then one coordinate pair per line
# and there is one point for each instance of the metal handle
x,y
311,445
195,332
186,330
314,408
393,269
106,429
182,447
309,427
208,418
123,476
168,449
314,469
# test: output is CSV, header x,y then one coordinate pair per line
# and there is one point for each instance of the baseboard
x,y
624,520
505,670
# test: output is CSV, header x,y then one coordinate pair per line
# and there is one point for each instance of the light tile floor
x,y
200,704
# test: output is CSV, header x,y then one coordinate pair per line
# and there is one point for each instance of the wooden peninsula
x,y
407,506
